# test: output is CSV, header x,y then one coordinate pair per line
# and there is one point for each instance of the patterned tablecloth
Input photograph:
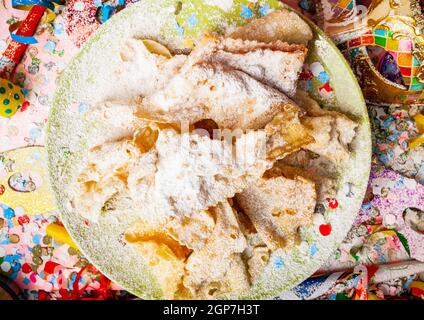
x,y
376,261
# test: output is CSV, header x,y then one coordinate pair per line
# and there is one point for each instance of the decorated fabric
x,y
397,53
41,265
383,40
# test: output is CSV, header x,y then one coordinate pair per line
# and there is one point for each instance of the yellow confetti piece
x,y
59,233
419,140
419,122
416,142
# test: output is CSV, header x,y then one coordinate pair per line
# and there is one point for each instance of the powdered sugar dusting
x,y
91,78
225,5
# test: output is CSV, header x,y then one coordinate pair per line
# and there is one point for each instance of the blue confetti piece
x,y
16,267
5,240
82,108
246,12
107,12
58,28
192,21
50,46
332,296
386,123
26,281
264,10
8,258
400,183
278,263
42,274
323,77
8,213
36,239
179,29
408,281
385,158
314,250
97,3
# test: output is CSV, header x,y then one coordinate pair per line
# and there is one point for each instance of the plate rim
x,y
103,30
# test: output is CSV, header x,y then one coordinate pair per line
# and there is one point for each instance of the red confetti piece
x,y
332,203
372,269
2,189
43,295
23,219
325,229
26,268
25,106
50,266
398,115
326,87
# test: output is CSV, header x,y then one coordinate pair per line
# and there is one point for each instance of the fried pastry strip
x,y
217,268
278,206
230,97
278,25
276,64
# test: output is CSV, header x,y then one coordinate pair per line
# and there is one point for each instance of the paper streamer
x,y
22,33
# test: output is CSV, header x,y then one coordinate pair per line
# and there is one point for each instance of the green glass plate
x,y
178,24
